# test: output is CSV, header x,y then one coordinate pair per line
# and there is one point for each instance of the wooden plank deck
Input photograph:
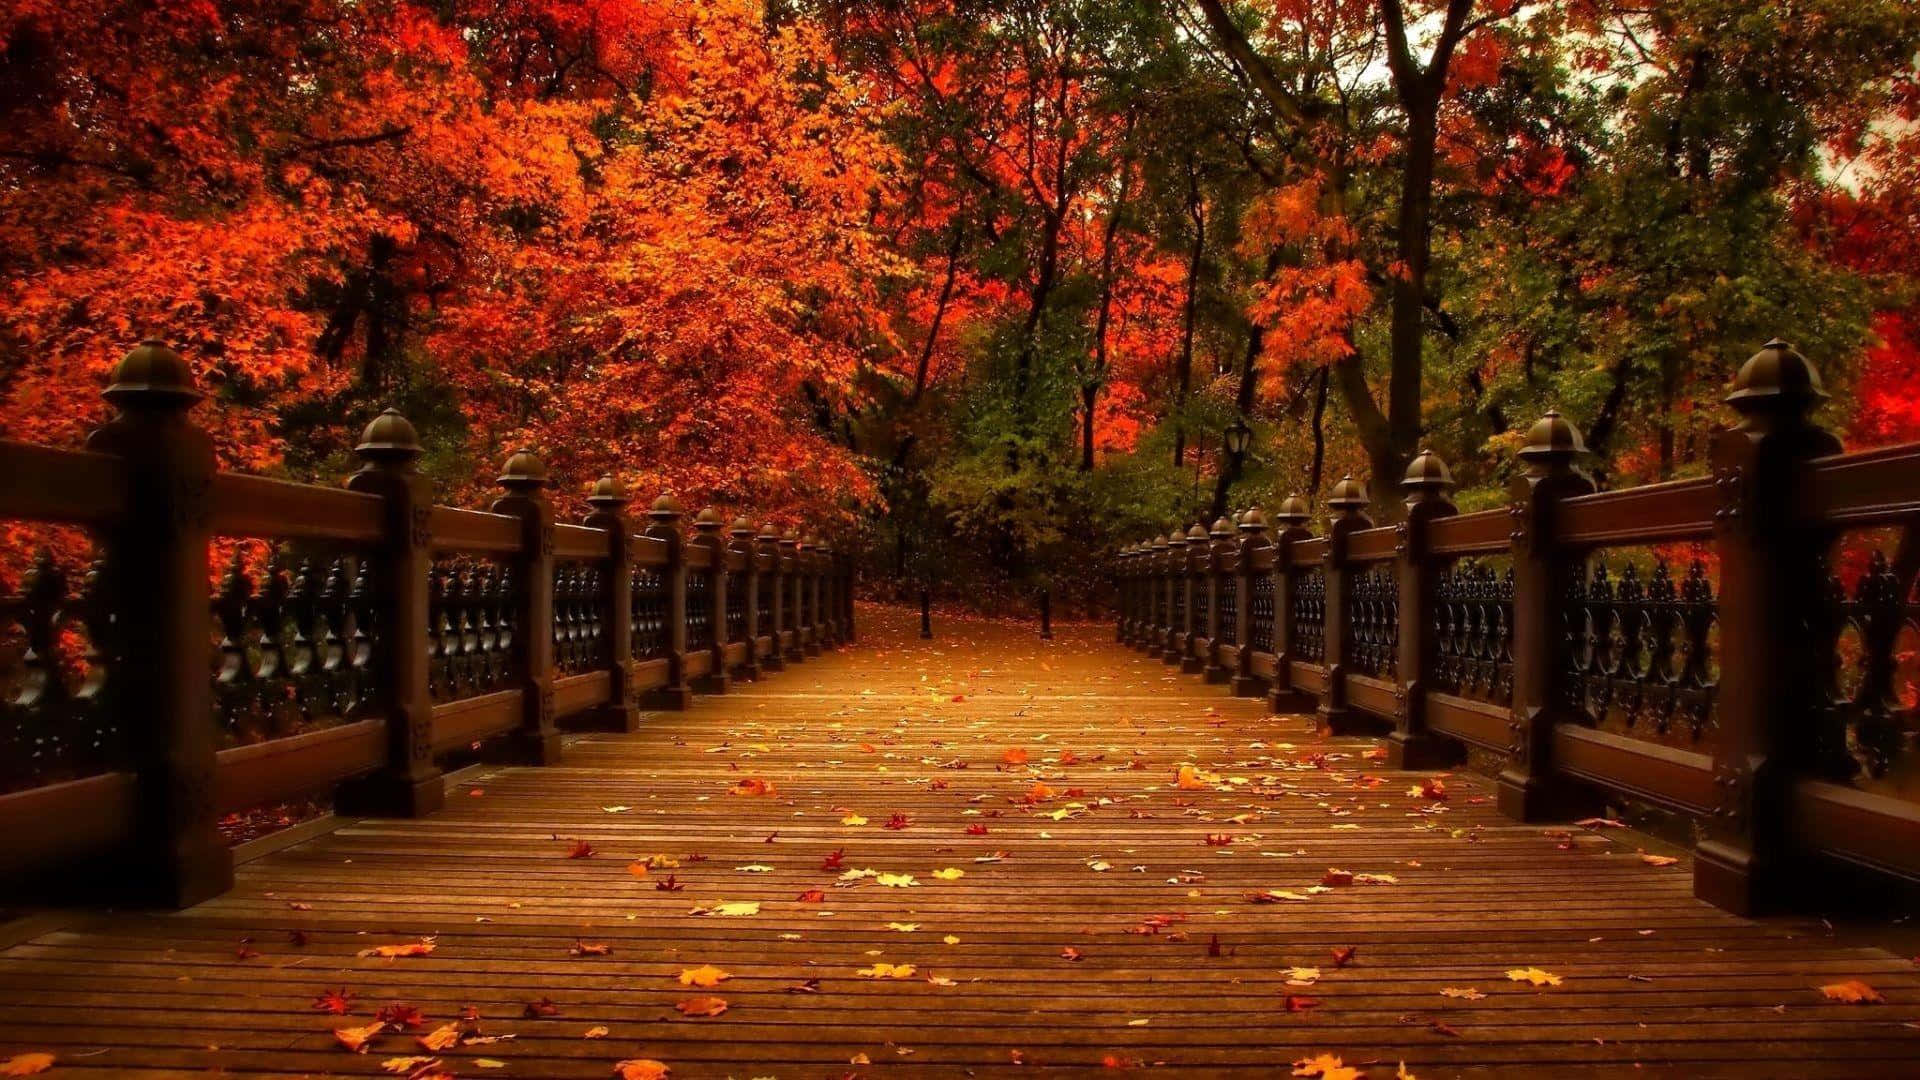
x,y
1104,929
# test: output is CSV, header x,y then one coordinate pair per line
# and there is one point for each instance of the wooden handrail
x,y
371,633
1593,680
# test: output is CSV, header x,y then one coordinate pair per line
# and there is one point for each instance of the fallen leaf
x,y
580,850
26,1064
597,1031
1326,1067
338,1002
1535,976
702,1006
704,976
357,1039
1853,992
1658,860
1343,955
641,1069
389,952
444,1037
951,873
412,1064
590,948
400,1016
731,909
1465,992
887,971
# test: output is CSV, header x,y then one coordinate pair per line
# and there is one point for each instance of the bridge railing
x,y
189,643
1742,648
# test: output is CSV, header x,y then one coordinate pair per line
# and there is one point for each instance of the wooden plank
x,y
1483,532
1371,545
475,531
95,814
576,693
1859,826
1265,664
258,506
1371,695
1311,678
581,542
302,764
1872,487
1648,514
647,674
78,487
1478,722
471,720
1681,779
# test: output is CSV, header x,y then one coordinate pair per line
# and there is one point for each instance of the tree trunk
x,y
1183,374
939,315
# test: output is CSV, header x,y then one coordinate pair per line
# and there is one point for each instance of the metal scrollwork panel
x,y
1868,635
57,655
699,610
1473,630
579,617
1373,625
1309,615
649,613
1260,614
1640,649
736,607
297,642
471,626
1229,611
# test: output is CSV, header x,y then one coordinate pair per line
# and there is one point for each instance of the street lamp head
x,y
1238,437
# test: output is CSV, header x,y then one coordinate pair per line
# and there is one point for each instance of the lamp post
x,y
1237,438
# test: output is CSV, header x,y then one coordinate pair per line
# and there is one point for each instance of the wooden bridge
x,y
616,799
974,855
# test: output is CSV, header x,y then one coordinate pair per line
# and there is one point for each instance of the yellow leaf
x,y
1658,860
897,881
1535,976
951,873
853,819
704,975
733,909
1302,976
951,939
887,971
1853,992
1467,992
597,1031
904,927
444,1037
1326,1067
1403,1074
490,1063
408,1064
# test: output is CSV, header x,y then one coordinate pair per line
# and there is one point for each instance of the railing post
x,y
1542,569
706,527
1121,584
748,553
1159,585
830,596
1348,501
1770,592
846,599
1222,573
792,574
1197,579
810,591
157,560
409,784
1410,745
536,741
1174,568
1046,614
1253,541
926,613
1292,519
774,578
664,526
609,502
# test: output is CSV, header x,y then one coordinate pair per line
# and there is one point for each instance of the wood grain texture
x,y
1655,982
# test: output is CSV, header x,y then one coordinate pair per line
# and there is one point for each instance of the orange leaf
x,y
357,1039
1853,992
702,1006
389,952
641,1069
26,1064
444,1037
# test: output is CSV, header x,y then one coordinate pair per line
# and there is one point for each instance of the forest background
x,y
974,287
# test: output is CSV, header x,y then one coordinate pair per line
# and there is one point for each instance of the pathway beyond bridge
x,y
975,855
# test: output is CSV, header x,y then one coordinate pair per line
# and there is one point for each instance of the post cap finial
x,y
1293,511
1553,437
1777,377
608,493
1253,521
741,528
666,509
1221,528
390,437
1348,494
1427,472
152,375
524,471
